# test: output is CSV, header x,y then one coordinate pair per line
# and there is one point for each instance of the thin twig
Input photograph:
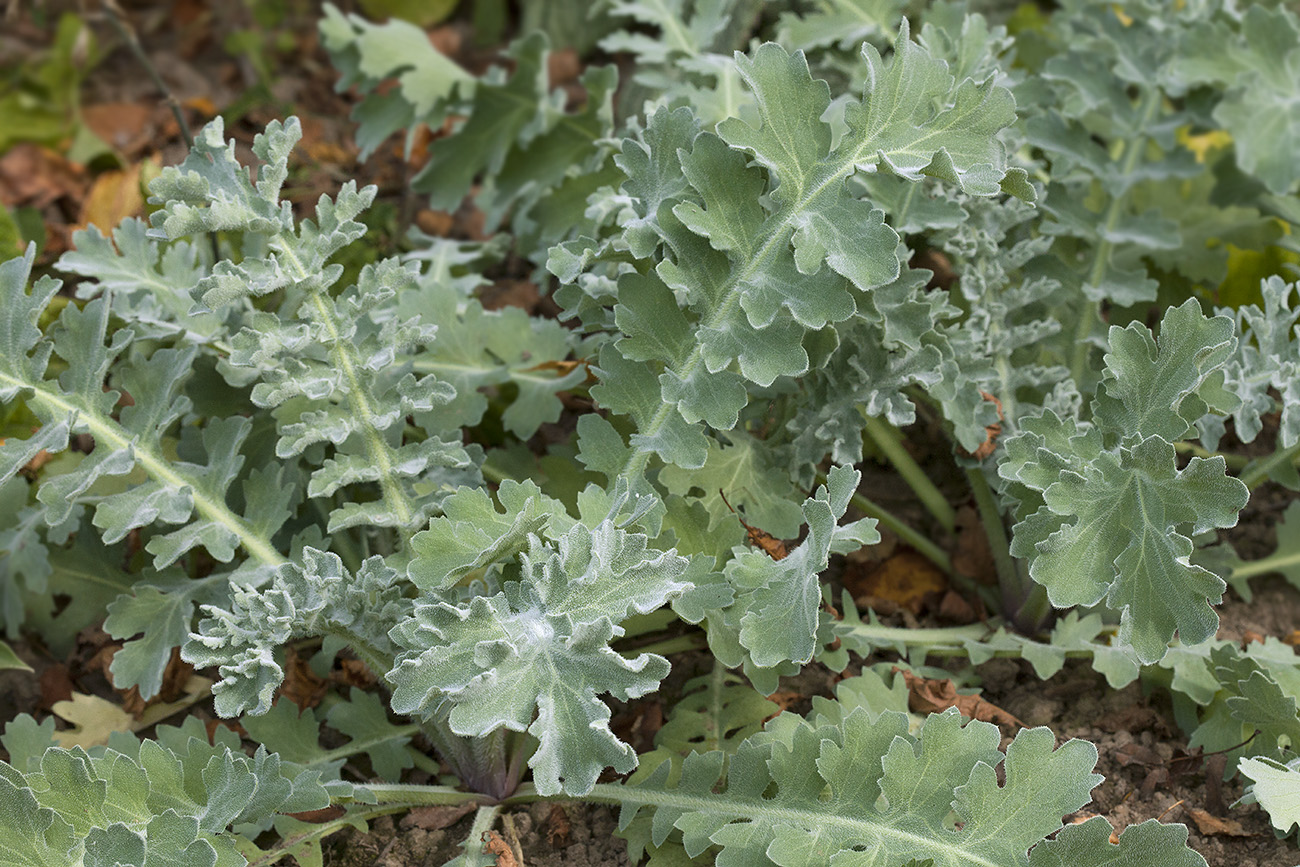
x,y
117,17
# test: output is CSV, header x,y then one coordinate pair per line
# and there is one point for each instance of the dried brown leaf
x,y
926,695
497,846
906,579
301,685
558,827
1212,826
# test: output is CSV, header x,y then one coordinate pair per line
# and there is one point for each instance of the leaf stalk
x,y
931,497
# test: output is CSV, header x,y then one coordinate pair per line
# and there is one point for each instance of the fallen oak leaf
x,y
93,719
906,578
113,196
935,696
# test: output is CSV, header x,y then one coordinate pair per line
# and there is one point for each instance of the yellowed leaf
x,y
93,720
113,197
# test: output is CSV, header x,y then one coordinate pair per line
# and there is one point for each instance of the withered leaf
x,y
1212,826
935,696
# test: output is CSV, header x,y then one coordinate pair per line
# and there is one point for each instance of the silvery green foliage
x,y
774,625
1253,53
745,231
1110,82
365,53
293,733
845,784
1267,357
845,24
320,597
192,495
687,61
734,266
536,655
147,285
1128,190
478,349
139,804
1008,351
134,478
325,362
1276,788
1256,699
1117,513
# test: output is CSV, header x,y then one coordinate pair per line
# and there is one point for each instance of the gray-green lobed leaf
x,y
535,657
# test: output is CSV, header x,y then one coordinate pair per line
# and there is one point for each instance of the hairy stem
x,y
676,644
1133,147
490,765
347,358
1234,462
409,795
910,537
106,430
1277,562
484,819
1258,471
931,497
1017,588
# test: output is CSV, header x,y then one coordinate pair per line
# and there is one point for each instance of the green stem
x,y
106,430
718,811
423,761
1277,562
484,818
1035,611
1133,147
930,496
913,539
943,641
348,359
1020,594
1234,462
409,795
491,474
1258,471
676,644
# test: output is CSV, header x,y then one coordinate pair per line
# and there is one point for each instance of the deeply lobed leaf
x,y
1117,512
541,646
862,787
